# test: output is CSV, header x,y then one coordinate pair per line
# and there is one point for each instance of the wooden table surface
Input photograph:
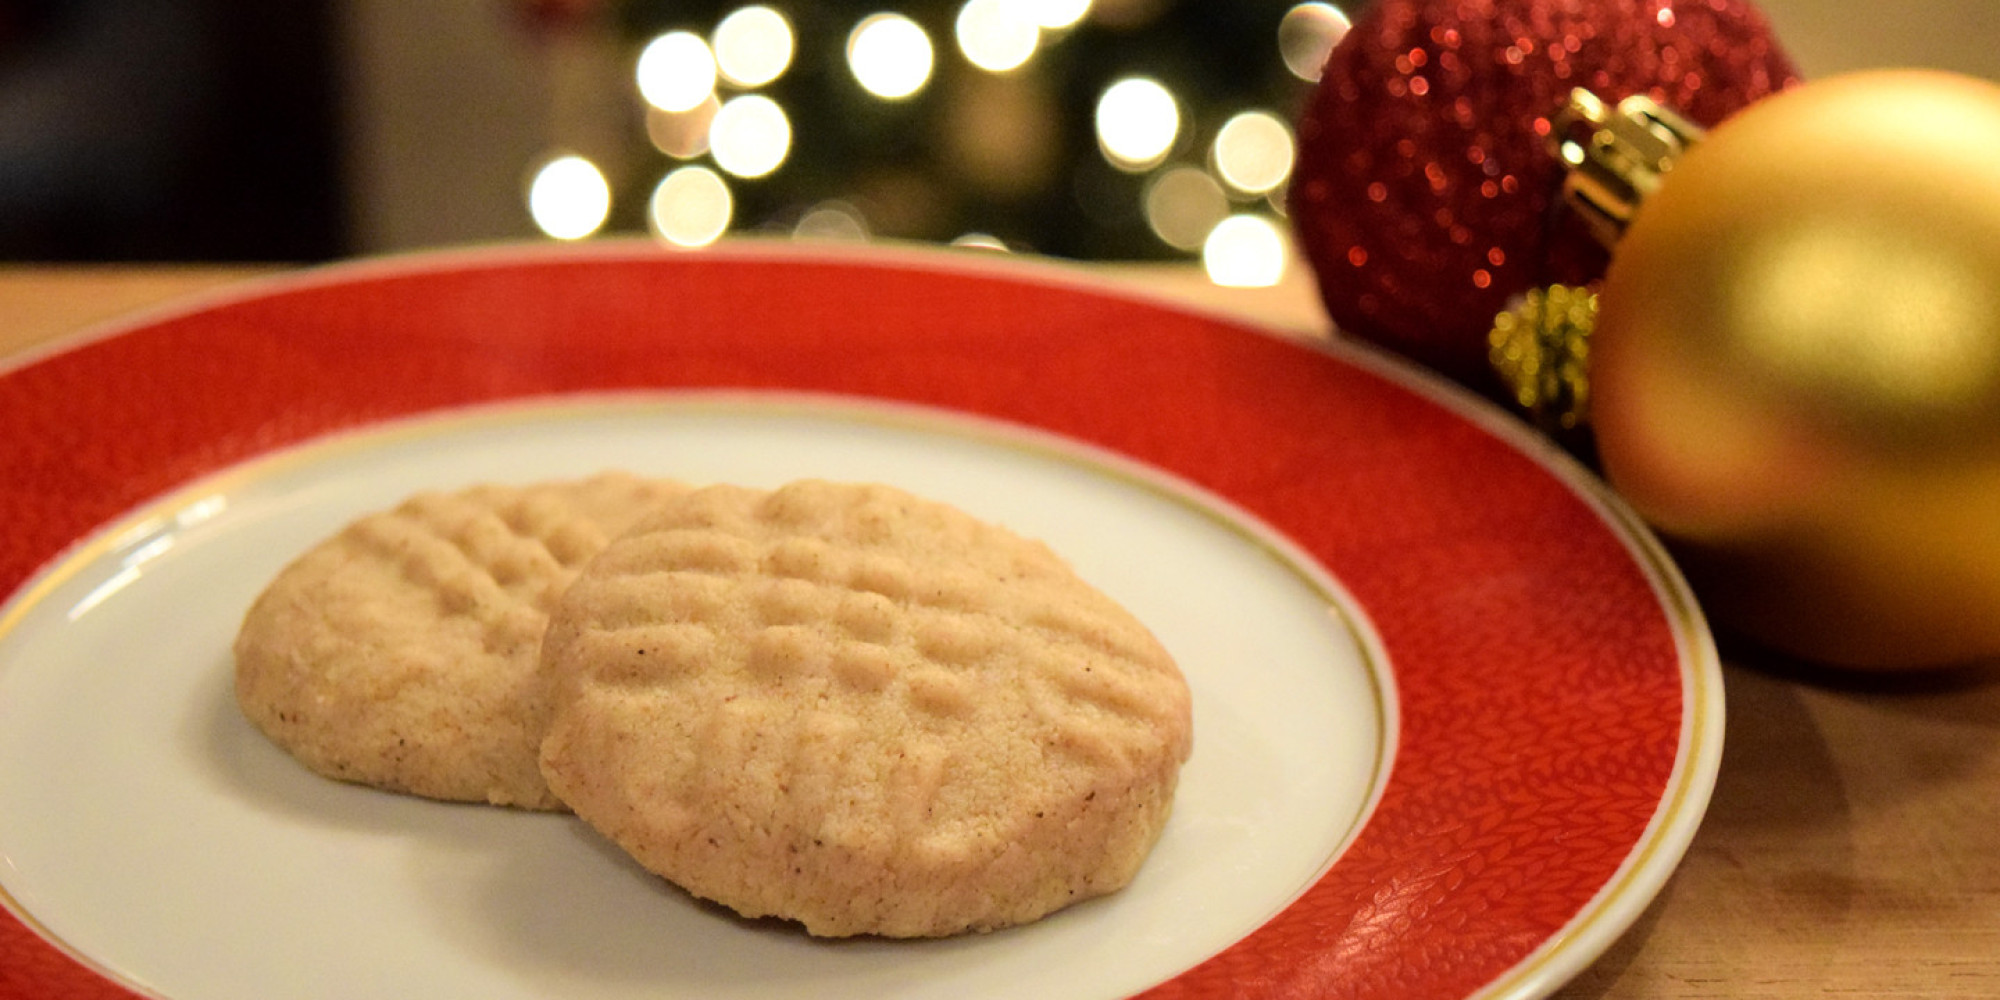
x,y
1852,848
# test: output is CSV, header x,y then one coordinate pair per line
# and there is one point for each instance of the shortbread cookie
x,y
860,710
401,652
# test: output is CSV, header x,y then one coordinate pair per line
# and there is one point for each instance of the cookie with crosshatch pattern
x,y
867,712
401,652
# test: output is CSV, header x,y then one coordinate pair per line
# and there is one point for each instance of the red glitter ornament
x,y
1425,195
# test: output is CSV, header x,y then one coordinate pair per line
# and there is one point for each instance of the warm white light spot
x,y
997,35
1276,201
569,198
1183,205
836,221
1056,14
750,136
980,241
1253,152
676,71
889,55
1307,35
1137,120
682,135
753,46
691,207
1244,251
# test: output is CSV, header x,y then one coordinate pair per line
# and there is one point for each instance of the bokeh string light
x,y
690,207
997,35
980,241
832,221
1244,251
1137,121
753,46
569,198
890,55
682,135
676,71
1307,34
750,136
1057,14
1253,152
1124,129
1183,204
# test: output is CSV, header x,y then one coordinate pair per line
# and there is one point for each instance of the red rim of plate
x,y
1559,697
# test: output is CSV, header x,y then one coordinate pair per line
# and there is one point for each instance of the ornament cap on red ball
x,y
1424,194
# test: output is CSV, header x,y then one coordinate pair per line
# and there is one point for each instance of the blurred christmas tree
x,y
1119,129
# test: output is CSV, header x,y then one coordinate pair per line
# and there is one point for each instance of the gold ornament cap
x,y
1617,156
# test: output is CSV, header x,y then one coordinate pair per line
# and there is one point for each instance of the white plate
x,y
134,796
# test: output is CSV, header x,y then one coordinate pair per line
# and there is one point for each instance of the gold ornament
x,y
1795,374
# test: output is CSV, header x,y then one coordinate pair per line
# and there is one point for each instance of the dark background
x,y
303,130
228,130
169,130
